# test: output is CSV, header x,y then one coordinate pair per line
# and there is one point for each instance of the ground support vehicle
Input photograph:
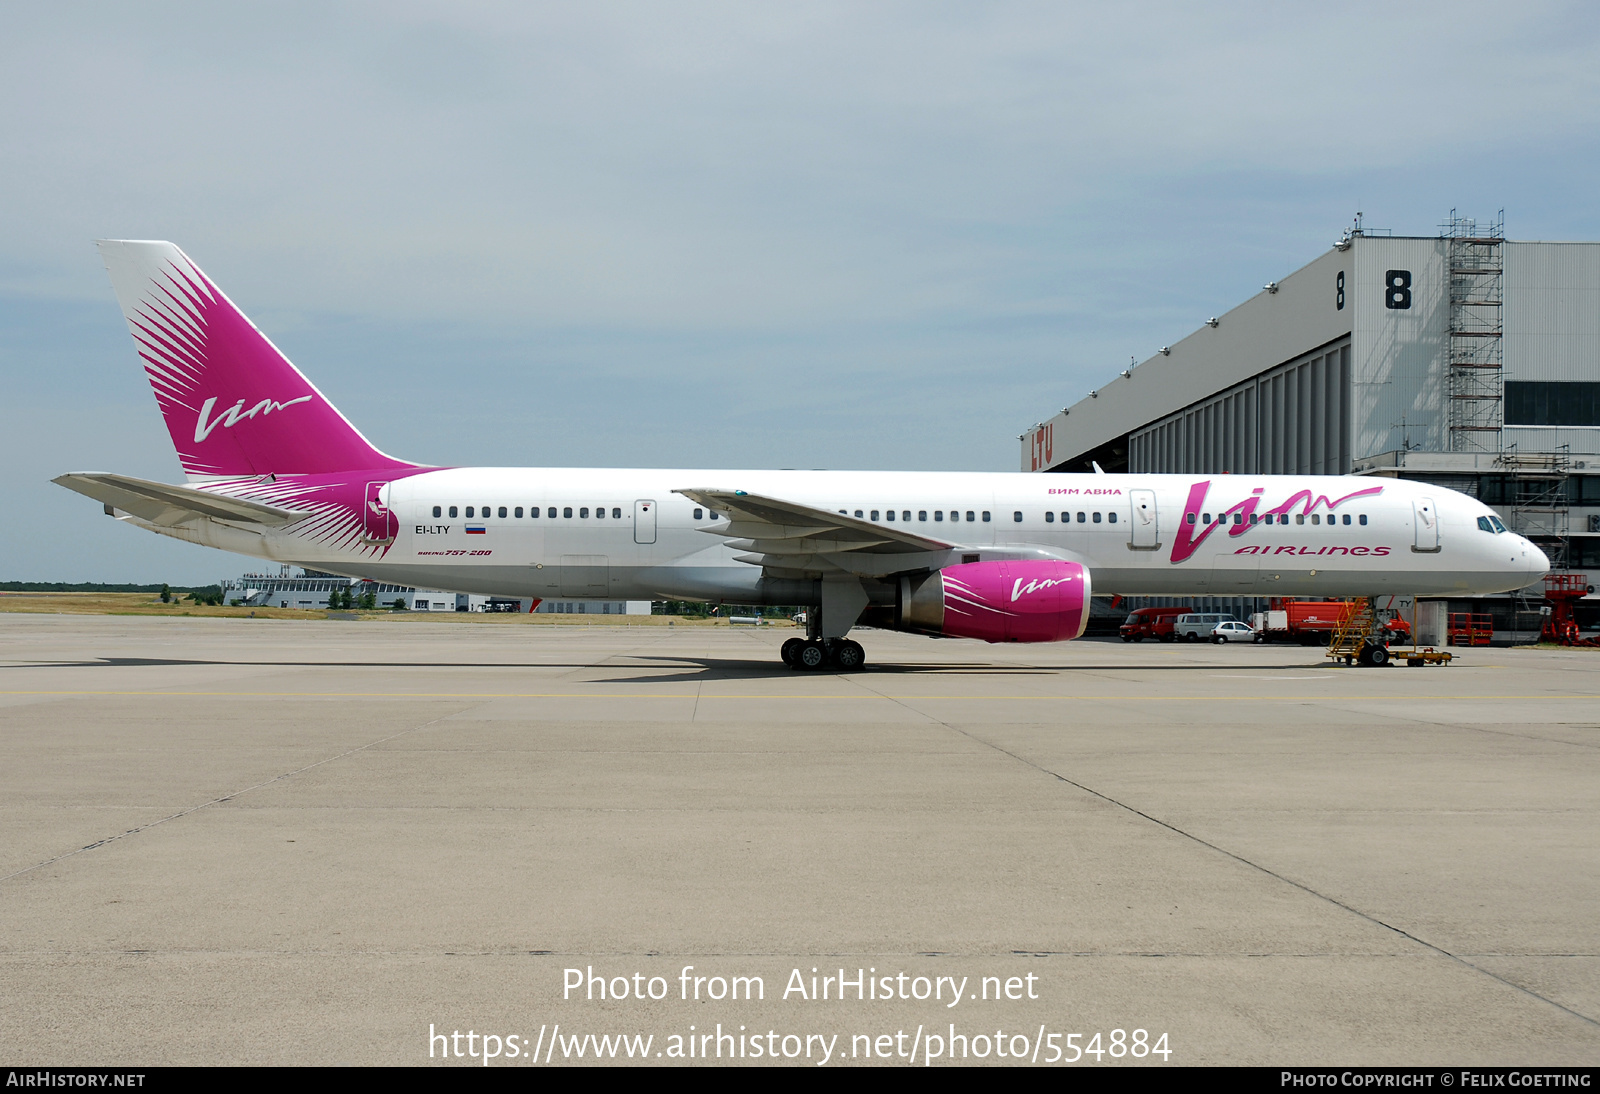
x,y
1154,623
1233,631
1197,626
1563,591
1313,622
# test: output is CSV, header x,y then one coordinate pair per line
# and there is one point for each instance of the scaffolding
x,y
1541,508
1476,385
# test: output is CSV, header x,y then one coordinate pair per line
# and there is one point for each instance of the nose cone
x,y
1537,561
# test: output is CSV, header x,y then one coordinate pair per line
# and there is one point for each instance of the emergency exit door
x,y
644,521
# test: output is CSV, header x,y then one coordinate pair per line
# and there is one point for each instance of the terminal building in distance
x,y
312,590
1463,359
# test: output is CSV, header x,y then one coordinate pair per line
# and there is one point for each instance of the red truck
x,y
1155,623
1311,622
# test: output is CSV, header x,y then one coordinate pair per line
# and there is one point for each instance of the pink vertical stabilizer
x,y
234,405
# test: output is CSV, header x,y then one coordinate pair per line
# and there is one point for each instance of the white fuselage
x,y
1137,534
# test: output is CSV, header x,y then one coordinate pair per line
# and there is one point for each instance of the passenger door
x,y
1426,522
378,523
1142,528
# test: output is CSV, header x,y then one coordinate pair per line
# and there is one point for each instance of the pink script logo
x,y
1192,533
236,414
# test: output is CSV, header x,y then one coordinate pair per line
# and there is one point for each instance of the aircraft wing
x,y
159,503
786,537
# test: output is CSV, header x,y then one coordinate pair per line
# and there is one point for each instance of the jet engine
x,y
1032,600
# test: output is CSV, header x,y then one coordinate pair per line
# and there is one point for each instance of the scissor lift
x,y
1563,591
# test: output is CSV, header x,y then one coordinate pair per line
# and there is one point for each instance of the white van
x,y
1197,626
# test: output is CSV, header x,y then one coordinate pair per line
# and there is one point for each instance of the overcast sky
x,y
718,235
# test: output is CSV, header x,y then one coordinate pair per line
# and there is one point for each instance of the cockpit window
x,y
1498,527
1491,524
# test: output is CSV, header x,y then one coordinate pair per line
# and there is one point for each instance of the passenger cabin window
x,y
469,510
503,512
1111,518
1017,516
436,511
922,514
616,512
1189,517
858,512
1097,518
1049,518
519,512
533,511
452,510
551,512
600,512
986,516
1083,518
938,514
955,514
1299,518
1347,518
583,513
1316,519
889,514
566,512
1363,518
874,514
906,515
698,514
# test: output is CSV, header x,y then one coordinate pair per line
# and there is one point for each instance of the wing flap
x,y
763,520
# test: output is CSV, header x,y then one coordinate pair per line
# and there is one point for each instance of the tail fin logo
x,y
236,414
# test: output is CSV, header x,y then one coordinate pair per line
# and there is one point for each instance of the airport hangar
x,y
1463,359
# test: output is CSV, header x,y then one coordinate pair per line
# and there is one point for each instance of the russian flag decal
x,y
476,530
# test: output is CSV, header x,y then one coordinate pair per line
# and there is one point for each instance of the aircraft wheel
x,y
810,655
788,650
849,655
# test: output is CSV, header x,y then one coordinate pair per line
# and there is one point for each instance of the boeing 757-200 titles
x,y
276,472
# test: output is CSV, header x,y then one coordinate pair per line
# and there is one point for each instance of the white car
x,y
1232,631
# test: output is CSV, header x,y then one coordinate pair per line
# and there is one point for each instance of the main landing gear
x,y
811,654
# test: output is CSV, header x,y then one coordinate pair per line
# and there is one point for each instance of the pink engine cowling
x,y
1034,600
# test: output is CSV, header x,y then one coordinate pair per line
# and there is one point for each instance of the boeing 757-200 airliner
x,y
276,472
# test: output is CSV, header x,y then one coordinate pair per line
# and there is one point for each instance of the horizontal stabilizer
x,y
159,503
